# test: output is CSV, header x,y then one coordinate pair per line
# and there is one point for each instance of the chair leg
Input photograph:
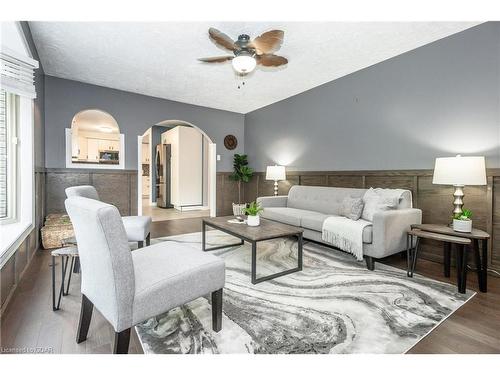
x,y
85,317
148,239
122,341
217,310
370,263
140,244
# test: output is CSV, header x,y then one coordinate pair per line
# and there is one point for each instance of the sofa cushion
x,y
327,200
307,219
285,215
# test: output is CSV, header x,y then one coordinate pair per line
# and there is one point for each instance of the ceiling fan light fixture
x,y
244,63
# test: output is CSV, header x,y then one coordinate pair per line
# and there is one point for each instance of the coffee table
x,y
267,230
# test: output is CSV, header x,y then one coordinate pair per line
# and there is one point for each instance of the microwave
x,y
109,156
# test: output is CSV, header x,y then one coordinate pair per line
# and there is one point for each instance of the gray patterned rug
x,y
335,305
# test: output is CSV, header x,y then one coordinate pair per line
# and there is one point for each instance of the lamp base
x,y
275,187
458,201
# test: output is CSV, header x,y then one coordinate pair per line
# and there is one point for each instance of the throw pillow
x,y
373,203
352,208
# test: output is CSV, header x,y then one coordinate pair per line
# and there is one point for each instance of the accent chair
x,y
137,227
131,287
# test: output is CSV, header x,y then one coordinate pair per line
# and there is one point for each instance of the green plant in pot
x,y
463,222
242,173
252,211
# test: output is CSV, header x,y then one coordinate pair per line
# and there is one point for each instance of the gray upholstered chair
x,y
137,227
131,287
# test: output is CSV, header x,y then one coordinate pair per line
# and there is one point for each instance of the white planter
x,y
238,209
462,225
253,221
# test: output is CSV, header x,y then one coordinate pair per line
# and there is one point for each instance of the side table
x,y
463,242
65,253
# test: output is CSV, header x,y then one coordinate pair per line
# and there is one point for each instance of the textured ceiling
x,y
159,59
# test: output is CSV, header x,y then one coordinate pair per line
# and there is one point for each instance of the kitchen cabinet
x,y
145,154
93,149
82,148
146,186
109,145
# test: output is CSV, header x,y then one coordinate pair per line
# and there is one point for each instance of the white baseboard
x,y
191,208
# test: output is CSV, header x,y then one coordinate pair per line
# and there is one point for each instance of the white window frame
x,y
12,116
69,153
13,233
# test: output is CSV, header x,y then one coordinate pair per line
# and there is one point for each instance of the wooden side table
x,y
463,242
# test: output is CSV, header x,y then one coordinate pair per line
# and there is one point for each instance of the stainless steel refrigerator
x,y
163,176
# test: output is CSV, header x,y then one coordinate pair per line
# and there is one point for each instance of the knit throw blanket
x,y
346,234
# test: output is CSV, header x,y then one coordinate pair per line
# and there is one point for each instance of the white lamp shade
x,y
460,170
276,173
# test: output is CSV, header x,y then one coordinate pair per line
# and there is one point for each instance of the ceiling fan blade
x,y
271,60
221,39
268,42
216,59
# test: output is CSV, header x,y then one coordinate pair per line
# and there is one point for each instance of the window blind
x,y
3,154
17,73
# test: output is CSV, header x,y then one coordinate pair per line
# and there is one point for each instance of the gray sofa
x,y
309,206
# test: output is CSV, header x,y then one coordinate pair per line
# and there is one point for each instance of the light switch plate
x,y
218,157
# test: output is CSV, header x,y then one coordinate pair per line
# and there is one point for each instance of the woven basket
x,y
57,227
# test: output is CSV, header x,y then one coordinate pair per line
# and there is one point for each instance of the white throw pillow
x,y
374,203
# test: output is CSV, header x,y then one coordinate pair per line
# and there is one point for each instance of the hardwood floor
x,y
30,324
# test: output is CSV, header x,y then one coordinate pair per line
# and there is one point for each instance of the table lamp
x,y
276,173
459,171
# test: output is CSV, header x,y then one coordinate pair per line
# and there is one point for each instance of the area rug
x,y
335,305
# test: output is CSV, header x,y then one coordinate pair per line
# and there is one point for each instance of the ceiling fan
x,y
248,53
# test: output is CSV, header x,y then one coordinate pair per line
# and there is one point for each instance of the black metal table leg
x,y
69,276
300,239
461,268
254,262
204,240
54,308
64,267
414,256
447,258
408,254
299,267
483,285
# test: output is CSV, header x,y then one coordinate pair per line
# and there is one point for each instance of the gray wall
x,y
438,100
134,113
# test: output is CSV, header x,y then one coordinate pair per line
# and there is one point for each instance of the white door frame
x,y
212,176
139,175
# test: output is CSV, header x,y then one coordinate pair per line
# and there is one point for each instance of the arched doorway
x,y
182,184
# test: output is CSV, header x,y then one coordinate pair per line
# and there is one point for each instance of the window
x,y
8,155
17,91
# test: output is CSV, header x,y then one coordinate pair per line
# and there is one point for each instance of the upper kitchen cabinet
x,y
94,141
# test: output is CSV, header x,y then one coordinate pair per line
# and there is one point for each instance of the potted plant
x,y
242,173
252,212
463,222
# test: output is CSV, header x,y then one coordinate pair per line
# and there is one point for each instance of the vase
x,y
238,208
253,221
462,225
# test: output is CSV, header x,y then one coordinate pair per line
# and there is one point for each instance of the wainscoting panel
x,y
116,187
435,201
